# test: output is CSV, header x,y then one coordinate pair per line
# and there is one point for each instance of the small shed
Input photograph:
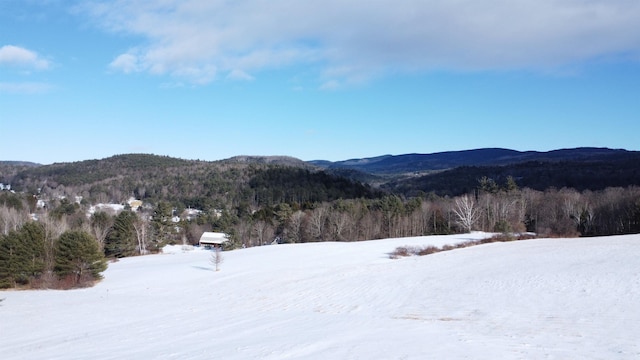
x,y
213,239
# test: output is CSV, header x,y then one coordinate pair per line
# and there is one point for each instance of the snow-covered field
x,y
535,299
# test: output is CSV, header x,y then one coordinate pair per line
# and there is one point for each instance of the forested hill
x,y
192,183
581,175
408,163
458,172
272,179
91,171
259,199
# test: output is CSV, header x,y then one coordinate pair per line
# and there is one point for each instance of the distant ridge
x,y
445,173
272,160
19,163
377,165
396,164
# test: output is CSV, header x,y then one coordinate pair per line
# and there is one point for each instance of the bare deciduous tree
x,y
11,219
216,257
53,228
466,212
340,221
294,226
264,232
317,221
141,225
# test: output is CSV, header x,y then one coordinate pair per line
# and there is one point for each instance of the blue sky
x,y
327,79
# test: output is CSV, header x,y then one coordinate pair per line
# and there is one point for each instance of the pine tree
x,y
78,257
162,226
32,235
121,240
22,255
9,262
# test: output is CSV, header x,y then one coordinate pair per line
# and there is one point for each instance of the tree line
x,y
261,204
36,256
490,207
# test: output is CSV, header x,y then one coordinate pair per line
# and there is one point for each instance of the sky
x,y
330,80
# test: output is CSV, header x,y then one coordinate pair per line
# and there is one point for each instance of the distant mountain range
x,y
412,163
19,163
443,173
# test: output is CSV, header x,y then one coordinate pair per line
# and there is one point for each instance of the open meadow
x,y
545,298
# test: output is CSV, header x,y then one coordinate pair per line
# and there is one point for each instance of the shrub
x,y
502,226
503,237
404,251
428,250
401,251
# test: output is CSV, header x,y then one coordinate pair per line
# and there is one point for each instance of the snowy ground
x,y
535,299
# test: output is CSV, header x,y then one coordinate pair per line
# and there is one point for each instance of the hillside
x,y
539,175
457,172
202,183
190,183
408,163
575,299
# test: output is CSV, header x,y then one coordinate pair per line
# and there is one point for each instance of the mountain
x,y
419,163
271,160
19,163
457,172
237,182
591,174
444,173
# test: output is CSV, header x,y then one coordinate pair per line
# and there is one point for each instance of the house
x,y
213,239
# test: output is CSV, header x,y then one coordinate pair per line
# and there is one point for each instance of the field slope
x,y
547,298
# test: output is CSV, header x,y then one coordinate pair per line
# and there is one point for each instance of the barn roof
x,y
213,238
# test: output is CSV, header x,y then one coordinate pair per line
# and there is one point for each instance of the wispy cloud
x,y
196,40
127,63
11,55
25,87
239,75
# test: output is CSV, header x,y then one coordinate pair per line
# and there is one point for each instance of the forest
x,y
52,236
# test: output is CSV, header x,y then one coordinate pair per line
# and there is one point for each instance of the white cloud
x,y
330,85
127,63
367,37
199,75
11,55
239,75
25,87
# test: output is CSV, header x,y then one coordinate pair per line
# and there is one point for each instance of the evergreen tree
x,y
33,241
9,260
78,257
121,240
22,255
162,226
511,184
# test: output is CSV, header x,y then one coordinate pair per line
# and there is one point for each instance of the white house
x,y
213,239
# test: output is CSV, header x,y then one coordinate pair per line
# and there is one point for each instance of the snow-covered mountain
x,y
534,299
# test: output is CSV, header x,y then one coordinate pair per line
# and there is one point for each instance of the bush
x,y
401,251
428,250
502,226
404,251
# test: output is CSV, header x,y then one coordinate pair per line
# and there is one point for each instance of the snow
x,y
534,299
115,208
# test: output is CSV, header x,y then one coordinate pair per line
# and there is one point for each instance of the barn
x,y
213,239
